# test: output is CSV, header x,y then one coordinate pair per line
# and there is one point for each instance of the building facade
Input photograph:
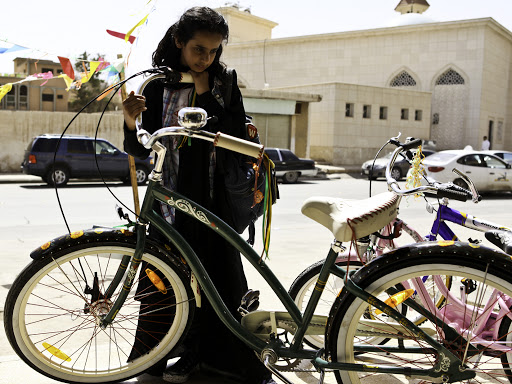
x,y
35,95
446,81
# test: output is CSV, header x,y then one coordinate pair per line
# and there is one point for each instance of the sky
x,y
68,28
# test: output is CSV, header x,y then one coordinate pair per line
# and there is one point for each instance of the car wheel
x,y
396,173
290,177
460,183
142,175
59,177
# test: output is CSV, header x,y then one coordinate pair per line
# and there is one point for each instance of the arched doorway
x,y
449,103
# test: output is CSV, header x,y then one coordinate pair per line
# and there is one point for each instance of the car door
x,y
474,166
112,161
499,176
290,161
79,157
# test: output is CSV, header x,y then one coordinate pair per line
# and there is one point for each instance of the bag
x,y
248,182
251,187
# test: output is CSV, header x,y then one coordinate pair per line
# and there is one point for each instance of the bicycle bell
x,y
191,117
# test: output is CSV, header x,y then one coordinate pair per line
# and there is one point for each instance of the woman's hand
x,y
133,105
200,81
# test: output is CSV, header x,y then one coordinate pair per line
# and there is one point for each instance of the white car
x,y
504,155
488,172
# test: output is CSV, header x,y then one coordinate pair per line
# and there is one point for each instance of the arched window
x,y
10,98
450,77
403,79
23,97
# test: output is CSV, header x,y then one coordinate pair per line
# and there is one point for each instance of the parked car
x,y
76,159
504,155
379,168
288,166
488,172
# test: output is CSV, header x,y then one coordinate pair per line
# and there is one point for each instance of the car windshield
x,y
440,157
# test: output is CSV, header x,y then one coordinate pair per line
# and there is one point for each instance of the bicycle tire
x,y
349,327
302,287
52,324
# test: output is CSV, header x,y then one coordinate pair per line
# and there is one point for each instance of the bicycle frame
x,y
156,192
445,213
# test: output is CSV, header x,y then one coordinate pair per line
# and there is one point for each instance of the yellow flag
x,y
68,80
93,65
127,36
5,89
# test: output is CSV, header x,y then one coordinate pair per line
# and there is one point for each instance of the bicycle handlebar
x,y
448,190
191,120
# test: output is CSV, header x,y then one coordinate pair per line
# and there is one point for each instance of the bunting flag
x,y
46,76
14,48
5,89
128,34
113,69
120,35
67,67
86,76
68,80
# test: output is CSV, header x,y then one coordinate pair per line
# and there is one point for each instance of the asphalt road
x,y
31,216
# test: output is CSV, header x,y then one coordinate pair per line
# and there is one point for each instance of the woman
x,y
195,169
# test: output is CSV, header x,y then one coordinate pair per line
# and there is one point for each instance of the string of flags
x,y
75,80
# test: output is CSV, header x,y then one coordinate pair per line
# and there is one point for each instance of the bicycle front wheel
x,y
53,311
475,304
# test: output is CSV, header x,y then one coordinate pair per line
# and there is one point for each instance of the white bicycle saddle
x,y
352,219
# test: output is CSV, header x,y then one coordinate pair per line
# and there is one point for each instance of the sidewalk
x,y
325,171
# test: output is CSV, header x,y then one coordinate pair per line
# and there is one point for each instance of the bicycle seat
x,y
352,219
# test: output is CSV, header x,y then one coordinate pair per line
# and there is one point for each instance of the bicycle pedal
x,y
250,302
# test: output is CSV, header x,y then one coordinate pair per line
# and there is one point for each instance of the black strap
x,y
252,233
230,76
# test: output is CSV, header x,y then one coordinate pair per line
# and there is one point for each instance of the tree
x,y
90,89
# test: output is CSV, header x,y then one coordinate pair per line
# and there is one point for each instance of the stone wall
x,y
17,128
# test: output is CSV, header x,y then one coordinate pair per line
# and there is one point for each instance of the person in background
x,y
195,169
486,144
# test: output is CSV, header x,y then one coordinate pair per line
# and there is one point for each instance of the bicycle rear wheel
x,y
304,285
354,324
53,309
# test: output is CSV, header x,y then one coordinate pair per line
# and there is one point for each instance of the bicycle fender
x,y
86,236
101,234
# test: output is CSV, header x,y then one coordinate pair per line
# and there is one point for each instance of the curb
x,y
324,171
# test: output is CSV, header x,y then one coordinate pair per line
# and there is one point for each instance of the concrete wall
x,y
17,128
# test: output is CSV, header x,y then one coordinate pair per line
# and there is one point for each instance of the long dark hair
x,y
194,20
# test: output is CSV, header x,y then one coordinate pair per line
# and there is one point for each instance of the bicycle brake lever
x,y
475,197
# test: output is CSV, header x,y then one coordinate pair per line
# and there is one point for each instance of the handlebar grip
x,y
238,145
461,196
411,144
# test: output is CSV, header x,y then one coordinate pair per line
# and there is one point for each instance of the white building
x,y
445,81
